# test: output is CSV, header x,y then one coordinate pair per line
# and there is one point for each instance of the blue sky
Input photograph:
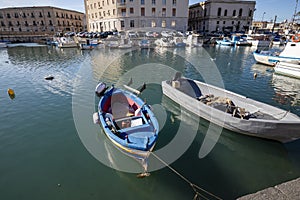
x,y
284,9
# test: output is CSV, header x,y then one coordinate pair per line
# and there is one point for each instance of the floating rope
x,y
194,186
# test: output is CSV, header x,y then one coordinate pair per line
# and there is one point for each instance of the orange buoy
x,y
11,93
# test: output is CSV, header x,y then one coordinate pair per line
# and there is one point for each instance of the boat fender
x,y
96,118
100,89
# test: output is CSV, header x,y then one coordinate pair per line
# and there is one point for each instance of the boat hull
x,y
288,69
282,130
272,60
133,132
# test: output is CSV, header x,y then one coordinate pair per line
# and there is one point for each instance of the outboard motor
x,y
100,89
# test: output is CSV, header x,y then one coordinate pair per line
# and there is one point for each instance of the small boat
x,y
127,121
225,42
67,42
240,41
287,69
144,43
290,54
233,111
164,42
89,44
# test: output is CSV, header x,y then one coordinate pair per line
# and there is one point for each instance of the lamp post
x,y
262,19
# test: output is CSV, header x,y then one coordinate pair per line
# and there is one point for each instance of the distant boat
x,y
225,42
127,121
233,111
3,45
290,54
144,43
288,69
67,42
240,41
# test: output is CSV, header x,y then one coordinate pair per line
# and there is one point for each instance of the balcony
x,y
121,4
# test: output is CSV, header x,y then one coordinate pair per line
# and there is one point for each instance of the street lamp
x,y
262,19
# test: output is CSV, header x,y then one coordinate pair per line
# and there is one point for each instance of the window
x,y
122,24
174,12
42,23
218,22
153,12
174,2
49,15
143,23
234,13
1,16
10,23
232,22
32,15
142,11
142,2
114,11
219,12
153,2
16,15
240,12
225,13
123,12
131,10
224,22
250,13
40,15
163,24
123,1
163,12
153,23
131,23
8,15
173,23
164,2
24,15
2,23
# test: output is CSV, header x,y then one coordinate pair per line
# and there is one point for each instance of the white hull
x,y
288,69
283,126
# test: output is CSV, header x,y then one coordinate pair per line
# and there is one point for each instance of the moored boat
x,y
233,111
287,69
127,121
290,54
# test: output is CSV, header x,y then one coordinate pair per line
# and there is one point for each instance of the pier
x,y
287,190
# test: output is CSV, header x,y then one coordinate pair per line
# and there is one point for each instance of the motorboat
x,y
225,42
259,40
144,43
287,69
164,42
290,54
240,41
67,42
233,111
127,121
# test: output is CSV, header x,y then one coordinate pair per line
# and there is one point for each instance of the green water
x,y
50,149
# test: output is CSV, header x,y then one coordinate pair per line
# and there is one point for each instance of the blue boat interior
x,y
127,120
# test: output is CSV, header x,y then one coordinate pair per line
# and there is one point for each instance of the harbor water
x,y
50,148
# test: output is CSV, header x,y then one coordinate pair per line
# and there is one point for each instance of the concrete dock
x,y
288,190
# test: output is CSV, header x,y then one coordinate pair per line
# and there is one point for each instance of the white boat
x,y
178,42
125,43
192,41
113,44
240,41
259,40
287,69
290,54
67,42
225,42
164,42
233,111
3,45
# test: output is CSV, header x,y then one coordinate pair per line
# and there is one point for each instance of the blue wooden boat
x,y
127,121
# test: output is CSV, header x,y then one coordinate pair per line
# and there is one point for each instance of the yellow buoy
x,y
11,93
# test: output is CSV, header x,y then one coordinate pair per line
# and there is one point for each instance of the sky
x,y
284,9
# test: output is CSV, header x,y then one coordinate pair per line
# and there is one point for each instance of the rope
x,y
194,186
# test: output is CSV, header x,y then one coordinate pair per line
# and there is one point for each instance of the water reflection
x,y
287,90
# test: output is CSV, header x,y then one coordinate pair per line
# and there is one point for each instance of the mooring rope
x,y
194,186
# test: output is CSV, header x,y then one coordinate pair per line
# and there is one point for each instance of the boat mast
x,y
295,13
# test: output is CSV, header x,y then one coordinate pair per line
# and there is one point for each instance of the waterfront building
x,y
221,16
39,20
108,15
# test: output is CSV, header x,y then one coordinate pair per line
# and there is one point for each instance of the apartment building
x,y
108,15
221,15
39,20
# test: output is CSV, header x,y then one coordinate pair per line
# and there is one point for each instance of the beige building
x,y
39,20
108,15
221,15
